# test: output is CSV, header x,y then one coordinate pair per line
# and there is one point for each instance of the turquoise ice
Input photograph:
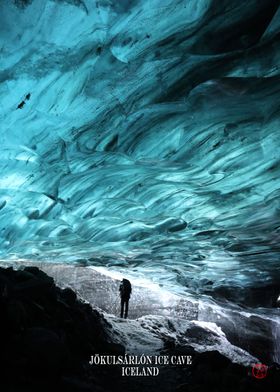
x,y
143,134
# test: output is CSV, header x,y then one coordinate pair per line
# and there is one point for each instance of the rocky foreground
x,y
47,337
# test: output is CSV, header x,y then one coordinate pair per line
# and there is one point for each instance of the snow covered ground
x,y
147,334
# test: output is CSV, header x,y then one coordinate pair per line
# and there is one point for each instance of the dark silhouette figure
x,y
20,105
125,291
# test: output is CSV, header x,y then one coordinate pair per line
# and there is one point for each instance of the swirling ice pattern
x,y
150,137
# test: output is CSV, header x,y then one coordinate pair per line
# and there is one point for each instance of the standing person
x,y
125,291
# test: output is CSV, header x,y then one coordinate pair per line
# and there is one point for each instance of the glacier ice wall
x,y
143,134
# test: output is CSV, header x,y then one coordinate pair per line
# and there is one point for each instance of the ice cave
x,y
141,139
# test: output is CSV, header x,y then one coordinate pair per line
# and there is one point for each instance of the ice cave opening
x,y
141,138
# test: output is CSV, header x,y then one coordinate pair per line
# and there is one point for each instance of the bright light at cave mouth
x,y
143,136
117,275
165,296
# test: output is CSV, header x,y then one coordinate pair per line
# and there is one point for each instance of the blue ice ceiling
x,y
143,134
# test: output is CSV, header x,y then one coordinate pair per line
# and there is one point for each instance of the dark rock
x,y
23,275
16,315
69,296
113,348
38,273
33,288
72,384
47,334
45,353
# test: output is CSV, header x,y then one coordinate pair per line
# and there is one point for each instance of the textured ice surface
x,y
143,134
102,291
148,333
